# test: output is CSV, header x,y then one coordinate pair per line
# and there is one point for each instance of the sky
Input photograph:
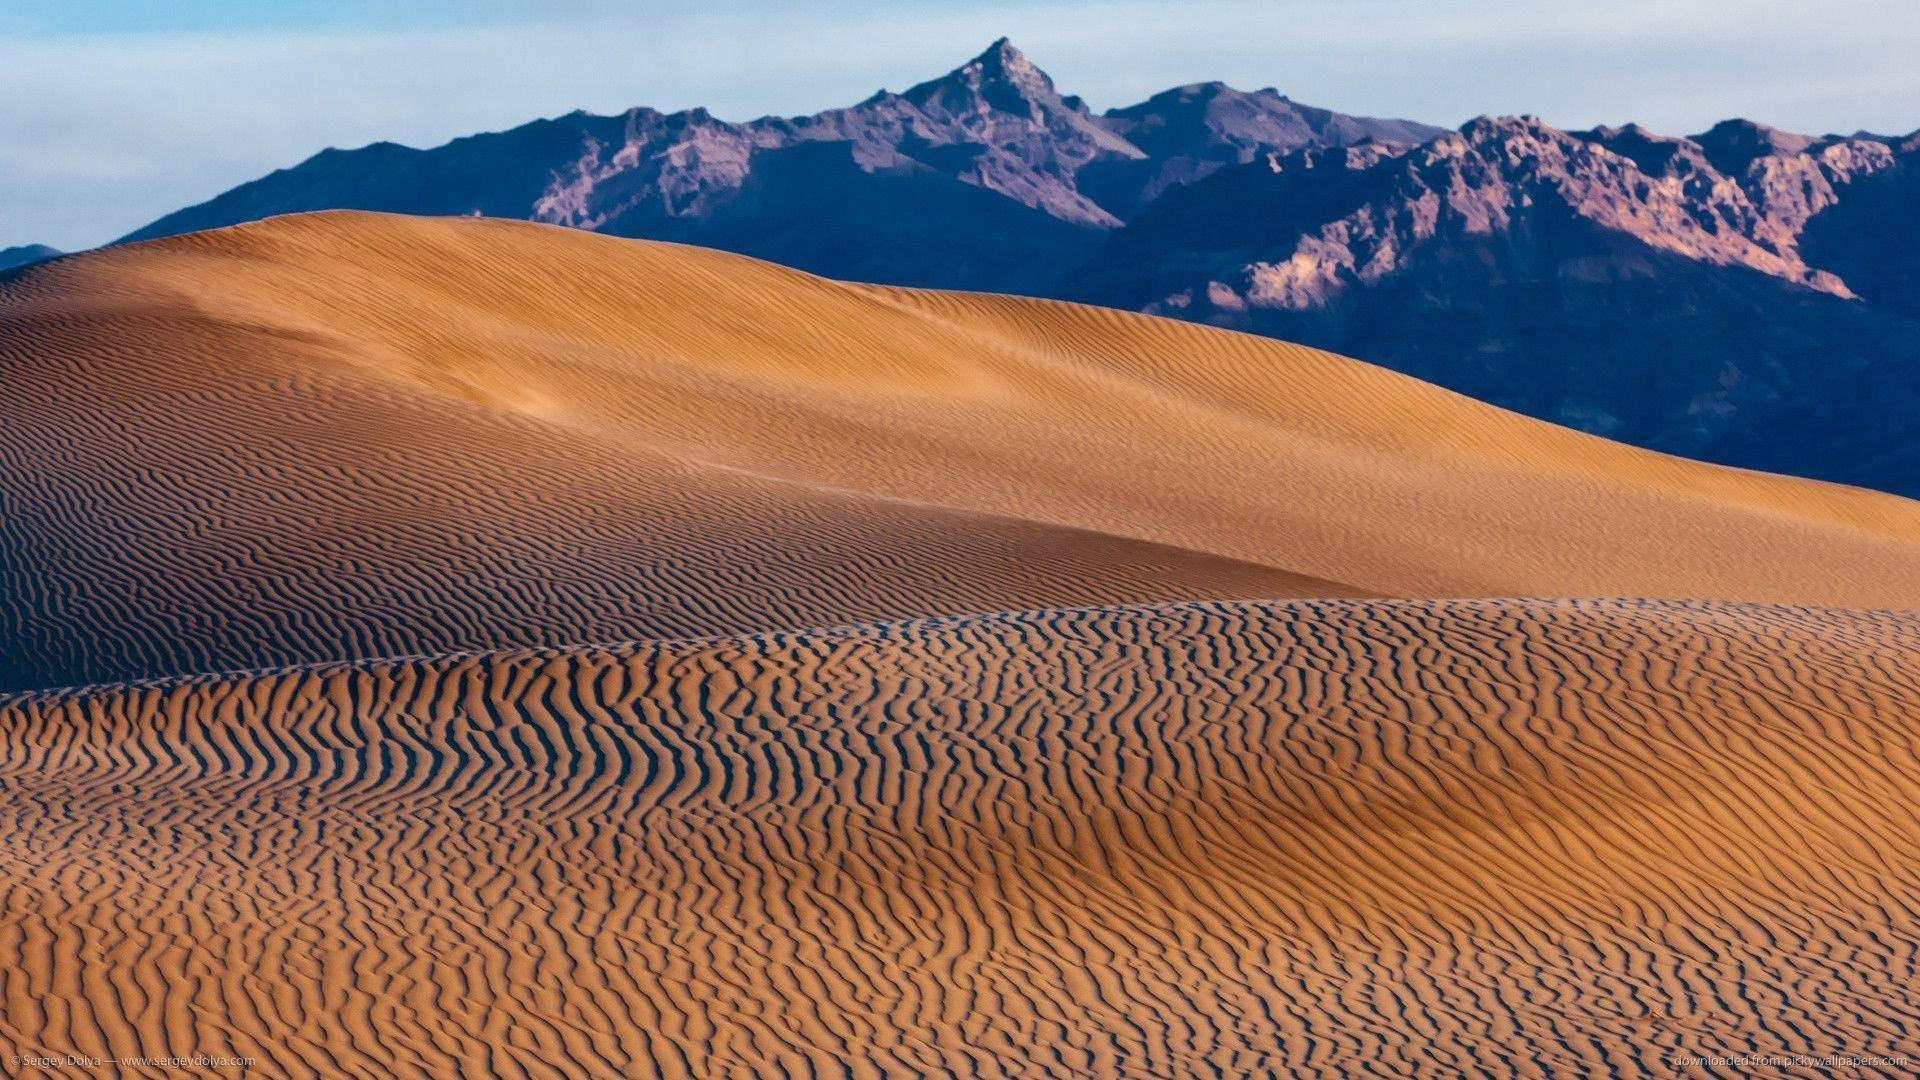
x,y
114,112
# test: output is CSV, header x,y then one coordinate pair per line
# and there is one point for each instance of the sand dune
x,y
1268,823
346,436
1323,837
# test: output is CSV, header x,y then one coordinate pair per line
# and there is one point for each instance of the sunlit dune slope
x,y
341,436
1342,837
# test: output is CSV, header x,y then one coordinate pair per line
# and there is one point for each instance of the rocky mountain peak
x,y
1733,145
1001,60
1655,155
1001,78
1484,130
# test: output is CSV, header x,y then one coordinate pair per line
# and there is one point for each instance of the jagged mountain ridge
x,y
973,179
1744,296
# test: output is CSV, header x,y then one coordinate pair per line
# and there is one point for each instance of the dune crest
x,y
1322,837
341,436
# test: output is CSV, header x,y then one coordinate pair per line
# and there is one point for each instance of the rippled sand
x,y
345,436
1006,689
1376,838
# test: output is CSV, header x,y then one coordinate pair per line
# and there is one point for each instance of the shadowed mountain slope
x,y
1743,297
21,256
342,436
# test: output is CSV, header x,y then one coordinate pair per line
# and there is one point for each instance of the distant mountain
x,y
986,177
1746,295
30,253
1190,131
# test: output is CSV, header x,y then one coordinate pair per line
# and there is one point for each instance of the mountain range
x,y
1744,296
987,178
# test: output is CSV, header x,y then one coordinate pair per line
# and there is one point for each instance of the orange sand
x,y
1237,833
1341,837
343,436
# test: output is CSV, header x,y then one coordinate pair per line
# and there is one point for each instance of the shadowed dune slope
x,y
1329,837
342,436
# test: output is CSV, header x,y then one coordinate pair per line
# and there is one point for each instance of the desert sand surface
x,y
458,648
347,436
1341,837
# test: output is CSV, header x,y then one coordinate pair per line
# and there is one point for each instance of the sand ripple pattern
x,y
1312,838
345,436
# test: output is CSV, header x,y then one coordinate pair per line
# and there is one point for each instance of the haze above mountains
x,y
1745,296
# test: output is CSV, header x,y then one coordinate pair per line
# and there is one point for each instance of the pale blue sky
x,y
113,113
